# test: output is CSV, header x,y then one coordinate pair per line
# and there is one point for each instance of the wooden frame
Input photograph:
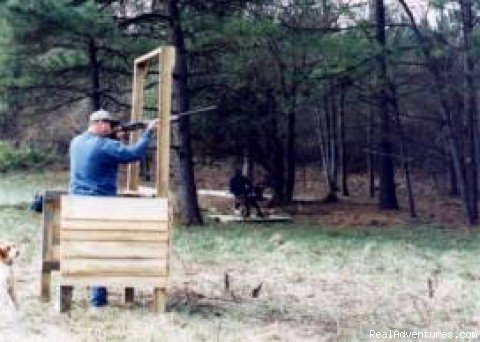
x,y
126,225
166,60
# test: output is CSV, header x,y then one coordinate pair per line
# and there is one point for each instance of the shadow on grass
x,y
193,303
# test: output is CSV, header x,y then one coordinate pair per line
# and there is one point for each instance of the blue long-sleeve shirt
x,y
94,162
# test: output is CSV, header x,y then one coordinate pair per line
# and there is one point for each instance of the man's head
x,y
102,123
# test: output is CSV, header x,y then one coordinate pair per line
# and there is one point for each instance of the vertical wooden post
x,y
166,63
159,299
140,70
129,295
45,283
46,246
65,298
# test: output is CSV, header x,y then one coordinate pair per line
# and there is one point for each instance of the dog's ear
x,y
3,252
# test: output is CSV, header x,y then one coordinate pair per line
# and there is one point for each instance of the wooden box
x,y
114,241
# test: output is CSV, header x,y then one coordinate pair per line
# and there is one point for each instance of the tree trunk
x,y
470,104
277,170
404,154
291,155
326,146
334,139
371,154
183,156
387,196
453,180
371,122
95,75
343,142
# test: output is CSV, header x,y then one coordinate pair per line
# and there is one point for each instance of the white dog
x,y
8,299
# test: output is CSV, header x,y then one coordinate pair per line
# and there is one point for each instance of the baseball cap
x,y
102,115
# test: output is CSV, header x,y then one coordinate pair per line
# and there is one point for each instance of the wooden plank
x,y
48,266
114,235
162,171
147,282
93,225
53,194
148,56
133,169
65,300
45,281
159,300
111,250
47,220
128,295
114,208
252,219
55,253
55,237
141,192
114,267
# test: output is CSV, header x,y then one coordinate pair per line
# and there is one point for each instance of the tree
x,y
71,51
433,62
387,196
189,208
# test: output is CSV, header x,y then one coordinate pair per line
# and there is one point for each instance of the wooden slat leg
x,y
45,283
129,295
65,300
159,299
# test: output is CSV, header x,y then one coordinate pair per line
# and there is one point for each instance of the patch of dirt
x,y
433,205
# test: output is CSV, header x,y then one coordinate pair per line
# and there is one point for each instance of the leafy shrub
x,y
22,158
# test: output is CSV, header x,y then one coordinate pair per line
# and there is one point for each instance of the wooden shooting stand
x,y
118,241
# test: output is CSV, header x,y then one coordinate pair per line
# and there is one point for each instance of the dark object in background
x,y
245,193
37,203
256,291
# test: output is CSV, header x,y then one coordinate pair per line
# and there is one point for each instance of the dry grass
x,y
319,284
336,273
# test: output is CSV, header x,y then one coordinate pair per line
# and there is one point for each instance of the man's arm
x,y
123,153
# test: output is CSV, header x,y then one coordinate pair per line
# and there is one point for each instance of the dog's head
x,y
8,252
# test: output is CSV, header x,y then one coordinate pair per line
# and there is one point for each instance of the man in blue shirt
x,y
94,160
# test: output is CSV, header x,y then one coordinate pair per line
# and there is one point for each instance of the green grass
x,y
22,227
378,247
18,188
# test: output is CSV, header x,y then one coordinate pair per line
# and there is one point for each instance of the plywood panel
x,y
67,224
114,208
109,249
149,282
114,267
115,235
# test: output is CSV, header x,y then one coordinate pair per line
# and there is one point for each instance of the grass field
x,y
318,284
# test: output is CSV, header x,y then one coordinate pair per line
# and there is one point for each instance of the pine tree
x,y
70,51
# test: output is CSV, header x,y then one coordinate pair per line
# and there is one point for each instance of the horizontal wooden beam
x,y
157,282
148,56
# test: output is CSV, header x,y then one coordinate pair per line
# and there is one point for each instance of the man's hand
x,y
152,125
